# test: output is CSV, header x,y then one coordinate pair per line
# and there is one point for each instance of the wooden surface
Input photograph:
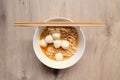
x,y
101,60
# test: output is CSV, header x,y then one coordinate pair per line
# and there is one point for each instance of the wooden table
x,y
101,60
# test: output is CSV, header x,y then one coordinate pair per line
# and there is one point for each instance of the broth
x,y
67,33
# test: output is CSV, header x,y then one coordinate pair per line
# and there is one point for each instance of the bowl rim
x,y
55,67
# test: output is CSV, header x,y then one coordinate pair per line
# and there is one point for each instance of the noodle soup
x,y
59,43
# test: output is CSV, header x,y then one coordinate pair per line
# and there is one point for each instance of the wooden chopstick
x,y
60,24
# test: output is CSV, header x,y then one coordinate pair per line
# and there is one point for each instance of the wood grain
x,y
101,60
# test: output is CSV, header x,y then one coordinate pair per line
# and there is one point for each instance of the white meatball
x,y
48,39
65,44
57,43
59,56
42,43
56,35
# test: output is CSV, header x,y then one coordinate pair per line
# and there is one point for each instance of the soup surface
x,y
66,33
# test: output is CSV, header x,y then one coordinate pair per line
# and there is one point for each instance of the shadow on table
x,y
58,73
51,70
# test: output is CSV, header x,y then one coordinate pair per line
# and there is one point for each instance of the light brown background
x,y
101,60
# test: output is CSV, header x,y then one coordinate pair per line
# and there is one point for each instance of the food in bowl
x,y
59,43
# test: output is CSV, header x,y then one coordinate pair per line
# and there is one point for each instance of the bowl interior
x,y
58,64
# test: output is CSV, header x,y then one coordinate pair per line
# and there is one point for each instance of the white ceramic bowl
x,y
58,64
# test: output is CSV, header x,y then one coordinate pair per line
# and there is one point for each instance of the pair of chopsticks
x,y
81,24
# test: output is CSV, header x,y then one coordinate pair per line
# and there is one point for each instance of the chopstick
x,y
95,24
